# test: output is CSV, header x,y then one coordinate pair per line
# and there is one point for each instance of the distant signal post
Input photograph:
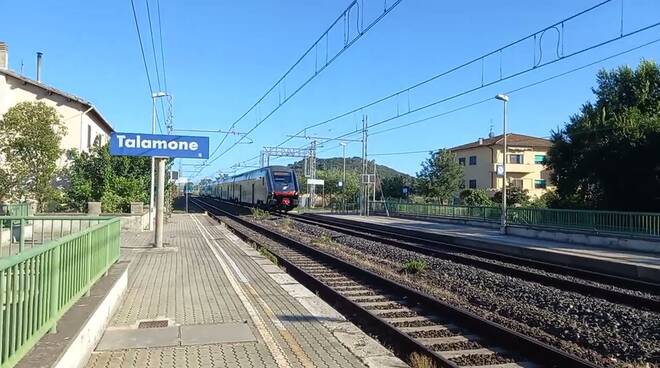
x,y
160,147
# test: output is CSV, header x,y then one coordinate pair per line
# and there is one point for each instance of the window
x,y
461,161
518,183
539,183
89,136
473,183
473,160
462,184
516,159
539,159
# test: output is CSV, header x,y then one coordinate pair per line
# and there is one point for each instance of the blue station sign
x,y
158,145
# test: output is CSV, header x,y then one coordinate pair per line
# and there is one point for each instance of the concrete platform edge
x,y
368,350
82,326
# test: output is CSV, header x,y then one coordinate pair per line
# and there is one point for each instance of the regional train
x,y
271,188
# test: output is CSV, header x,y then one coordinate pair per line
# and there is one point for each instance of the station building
x,y
84,123
524,163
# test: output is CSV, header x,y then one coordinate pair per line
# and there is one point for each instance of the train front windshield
x,y
283,181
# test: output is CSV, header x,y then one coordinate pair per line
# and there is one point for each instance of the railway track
x,y
466,256
405,319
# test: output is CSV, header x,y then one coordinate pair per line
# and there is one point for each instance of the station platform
x,y
644,266
207,299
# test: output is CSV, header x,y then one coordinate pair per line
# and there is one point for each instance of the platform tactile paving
x,y
187,285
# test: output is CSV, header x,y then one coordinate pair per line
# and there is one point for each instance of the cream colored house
x,y
524,164
84,123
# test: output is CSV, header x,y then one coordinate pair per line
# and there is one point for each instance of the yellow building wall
x,y
488,157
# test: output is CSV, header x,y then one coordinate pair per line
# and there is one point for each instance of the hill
x,y
353,164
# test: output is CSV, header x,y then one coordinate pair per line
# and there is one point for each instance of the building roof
x,y
513,139
52,90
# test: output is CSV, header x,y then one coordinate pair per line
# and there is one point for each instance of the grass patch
x,y
259,214
266,253
414,266
286,223
421,361
325,238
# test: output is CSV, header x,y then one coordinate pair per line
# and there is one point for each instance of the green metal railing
x,y
41,283
16,209
18,233
605,222
597,222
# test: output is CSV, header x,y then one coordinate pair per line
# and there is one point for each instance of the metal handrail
x,y
38,285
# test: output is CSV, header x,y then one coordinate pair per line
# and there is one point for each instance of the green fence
x,y
40,284
19,233
15,209
598,222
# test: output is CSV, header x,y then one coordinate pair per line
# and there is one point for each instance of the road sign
x,y
500,170
340,184
315,181
158,145
189,187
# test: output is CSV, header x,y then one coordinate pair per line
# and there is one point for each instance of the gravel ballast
x,y
606,333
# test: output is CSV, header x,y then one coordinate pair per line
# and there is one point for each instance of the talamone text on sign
x,y
158,145
138,142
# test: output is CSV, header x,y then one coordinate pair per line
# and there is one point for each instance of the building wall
x,y
72,113
488,157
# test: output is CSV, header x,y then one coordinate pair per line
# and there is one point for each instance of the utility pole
x,y
154,96
505,100
343,183
364,201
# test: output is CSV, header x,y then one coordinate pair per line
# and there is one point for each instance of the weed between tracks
x,y
414,266
266,253
259,214
421,361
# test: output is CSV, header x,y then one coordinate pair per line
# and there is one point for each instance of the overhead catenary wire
x,y
144,59
347,45
563,57
153,50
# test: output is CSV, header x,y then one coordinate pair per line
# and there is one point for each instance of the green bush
x,y
475,198
414,266
259,214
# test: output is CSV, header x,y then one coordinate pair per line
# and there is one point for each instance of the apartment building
x,y
524,163
84,123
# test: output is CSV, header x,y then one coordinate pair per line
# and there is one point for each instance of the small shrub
x,y
421,361
414,266
258,213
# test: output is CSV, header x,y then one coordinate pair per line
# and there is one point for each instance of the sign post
x,y
160,147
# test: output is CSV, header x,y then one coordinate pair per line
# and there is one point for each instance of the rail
x,y
38,285
641,224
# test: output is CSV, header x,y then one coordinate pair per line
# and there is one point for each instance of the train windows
x,y
283,181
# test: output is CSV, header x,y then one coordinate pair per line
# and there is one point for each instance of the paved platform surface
x,y
492,235
223,309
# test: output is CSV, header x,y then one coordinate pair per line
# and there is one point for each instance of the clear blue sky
x,y
221,56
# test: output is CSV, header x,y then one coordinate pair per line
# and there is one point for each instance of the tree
x,y
608,155
475,198
441,176
392,186
332,178
30,136
114,180
514,196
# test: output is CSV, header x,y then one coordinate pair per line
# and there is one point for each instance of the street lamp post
x,y
343,183
154,96
505,99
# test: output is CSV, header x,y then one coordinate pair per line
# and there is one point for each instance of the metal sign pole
x,y
160,201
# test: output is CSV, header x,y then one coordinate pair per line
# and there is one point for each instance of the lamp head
x,y
502,97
